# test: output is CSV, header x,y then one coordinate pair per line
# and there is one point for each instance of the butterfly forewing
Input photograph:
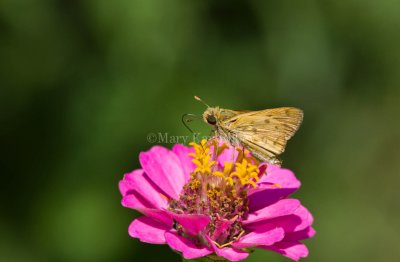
x,y
265,133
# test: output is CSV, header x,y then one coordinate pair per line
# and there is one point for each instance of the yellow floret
x,y
245,170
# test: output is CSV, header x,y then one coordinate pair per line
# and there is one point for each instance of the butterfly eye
x,y
211,120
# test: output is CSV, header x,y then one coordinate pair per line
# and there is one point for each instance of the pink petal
x,y
134,202
123,187
282,176
164,168
257,238
277,184
300,235
221,226
192,223
229,253
228,155
281,208
139,182
186,161
305,216
188,248
158,215
148,230
293,250
126,185
299,220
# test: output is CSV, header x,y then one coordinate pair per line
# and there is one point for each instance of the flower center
x,y
218,190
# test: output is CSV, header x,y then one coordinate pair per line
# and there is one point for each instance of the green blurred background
x,y
84,82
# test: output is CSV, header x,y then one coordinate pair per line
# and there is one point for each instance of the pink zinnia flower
x,y
215,200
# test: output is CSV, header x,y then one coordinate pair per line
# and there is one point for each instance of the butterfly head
x,y
212,115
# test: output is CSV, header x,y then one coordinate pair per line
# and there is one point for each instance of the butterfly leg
x,y
212,134
240,149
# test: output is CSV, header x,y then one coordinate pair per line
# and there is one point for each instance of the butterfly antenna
x,y
199,99
186,118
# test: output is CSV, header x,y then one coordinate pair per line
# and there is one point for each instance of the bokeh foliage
x,y
84,82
